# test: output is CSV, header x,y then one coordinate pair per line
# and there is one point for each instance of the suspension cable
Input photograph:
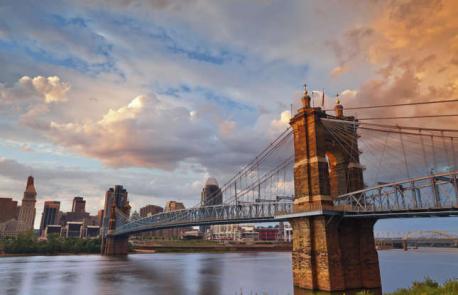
x,y
398,104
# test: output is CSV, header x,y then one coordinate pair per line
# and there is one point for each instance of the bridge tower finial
x,y
305,98
338,108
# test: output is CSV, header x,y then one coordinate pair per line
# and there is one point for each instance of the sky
x,y
159,95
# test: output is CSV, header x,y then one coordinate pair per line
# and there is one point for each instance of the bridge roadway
x,y
429,196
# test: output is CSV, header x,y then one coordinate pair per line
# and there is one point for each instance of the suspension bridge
x,y
312,176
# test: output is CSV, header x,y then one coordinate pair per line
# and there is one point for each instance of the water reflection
x,y
202,274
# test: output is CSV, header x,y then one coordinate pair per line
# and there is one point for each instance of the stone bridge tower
x,y
329,253
115,202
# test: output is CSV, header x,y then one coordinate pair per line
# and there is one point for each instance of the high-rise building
x,y
100,217
211,193
50,214
149,210
8,209
79,205
174,233
27,211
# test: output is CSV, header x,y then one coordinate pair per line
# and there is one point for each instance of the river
x,y
197,273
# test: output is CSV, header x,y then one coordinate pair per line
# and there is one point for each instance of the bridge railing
x,y
251,212
434,192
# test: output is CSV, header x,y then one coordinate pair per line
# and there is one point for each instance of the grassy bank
x,y
430,287
28,243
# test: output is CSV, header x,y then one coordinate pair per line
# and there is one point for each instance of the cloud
x,y
149,132
50,88
339,70
38,89
410,44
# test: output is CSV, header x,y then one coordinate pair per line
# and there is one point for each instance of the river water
x,y
197,273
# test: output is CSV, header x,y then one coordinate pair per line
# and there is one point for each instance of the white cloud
x,y
50,88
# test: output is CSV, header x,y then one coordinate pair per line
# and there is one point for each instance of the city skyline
x,y
181,92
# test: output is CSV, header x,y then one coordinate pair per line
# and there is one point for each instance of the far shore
x,y
212,249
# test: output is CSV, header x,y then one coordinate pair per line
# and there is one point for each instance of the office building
x,y
171,206
79,205
8,209
50,215
149,210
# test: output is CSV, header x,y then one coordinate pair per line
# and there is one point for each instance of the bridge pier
x,y
330,253
333,254
115,246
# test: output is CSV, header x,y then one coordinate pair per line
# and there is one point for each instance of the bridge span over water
x,y
430,196
332,177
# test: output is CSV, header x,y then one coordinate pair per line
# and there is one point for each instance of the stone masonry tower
x,y
329,253
27,211
115,200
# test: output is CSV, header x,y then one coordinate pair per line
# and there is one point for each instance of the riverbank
x,y
207,246
430,287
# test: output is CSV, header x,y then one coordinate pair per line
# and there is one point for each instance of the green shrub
x,y
27,243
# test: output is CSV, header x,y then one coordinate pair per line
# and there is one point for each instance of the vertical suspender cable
x,y
404,153
453,154
434,152
445,149
423,151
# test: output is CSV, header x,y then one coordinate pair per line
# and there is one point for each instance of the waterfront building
x,y
27,211
248,232
9,228
149,210
225,232
74,230
268,233
50,215
8,209
52,229
79,205
92,231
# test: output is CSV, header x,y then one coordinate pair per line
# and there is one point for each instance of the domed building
x,y
211,193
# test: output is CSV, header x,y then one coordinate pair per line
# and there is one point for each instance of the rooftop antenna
x,y
322,99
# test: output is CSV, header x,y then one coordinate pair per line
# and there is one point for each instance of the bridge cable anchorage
x,y
397,105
